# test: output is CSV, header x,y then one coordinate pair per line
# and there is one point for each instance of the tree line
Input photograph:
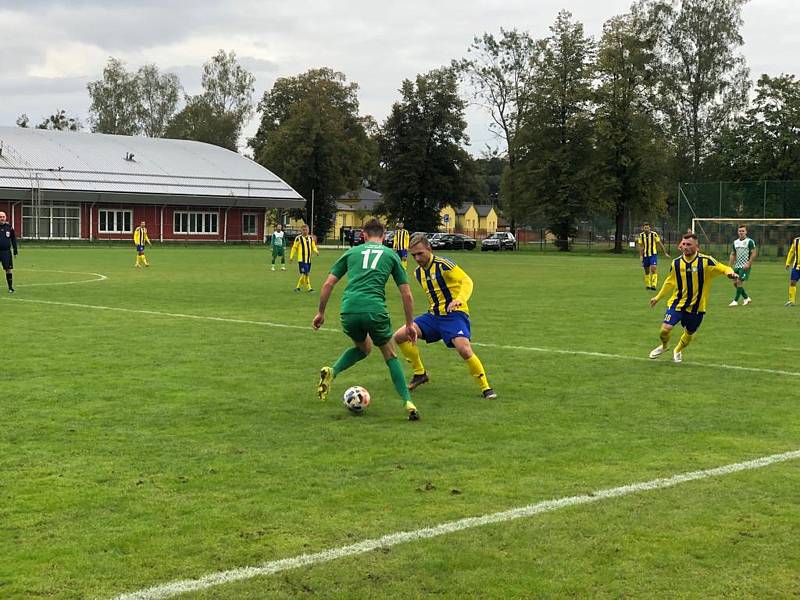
x,y
587,126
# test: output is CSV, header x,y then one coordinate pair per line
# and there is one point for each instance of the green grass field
x,y
140,448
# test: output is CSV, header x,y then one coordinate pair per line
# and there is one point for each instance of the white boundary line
x,y
174,588
98,277
331,330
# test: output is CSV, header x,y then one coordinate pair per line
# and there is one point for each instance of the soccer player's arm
x,y
14,241
732,257
640,243
722,269
660,242
458,277
314,247
295,248
753,254
666,289
790,256
147,238
338,271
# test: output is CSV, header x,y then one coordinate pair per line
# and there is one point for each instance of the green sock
x,y
348,358
744,294
738,293
398,378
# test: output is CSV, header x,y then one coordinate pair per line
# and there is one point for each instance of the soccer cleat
x,y
325,381
10,290
283,268
734,303
489,394
789,303
309,290
418,380
411,411
296,289
657,351
747,301
677,357
273,267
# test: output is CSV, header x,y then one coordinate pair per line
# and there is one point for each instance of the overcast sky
x,y
50,49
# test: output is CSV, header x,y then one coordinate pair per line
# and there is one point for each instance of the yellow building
x,y
469,218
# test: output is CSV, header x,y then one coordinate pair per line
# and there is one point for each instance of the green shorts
x,y
277,251
377,325
744,274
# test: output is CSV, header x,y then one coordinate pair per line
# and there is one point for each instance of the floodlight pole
x,y
311,224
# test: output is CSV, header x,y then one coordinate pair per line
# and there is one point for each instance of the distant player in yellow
x,y
400,244
304,245
793,263
140,239
689,281
448,289
648,242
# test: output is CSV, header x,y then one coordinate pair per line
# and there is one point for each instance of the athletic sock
x,y
685,340
144,260
664,335
348,358
647,280
308,282
655,280
398,378
744,293
405,264
739,293
299,282
412,355
476,370
10,280
792,293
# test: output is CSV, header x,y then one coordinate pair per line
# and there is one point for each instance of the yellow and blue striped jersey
x,y
793,257
689,280
401,237
443,282
648,241
140,236
303,246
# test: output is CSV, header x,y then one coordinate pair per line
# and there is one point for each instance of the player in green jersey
x,y
365,318
743,253
278,242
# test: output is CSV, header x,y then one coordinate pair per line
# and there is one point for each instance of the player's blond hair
x,y
419,238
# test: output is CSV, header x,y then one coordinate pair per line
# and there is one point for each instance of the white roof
x,y
124,168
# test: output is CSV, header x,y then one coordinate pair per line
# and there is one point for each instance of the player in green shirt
x,y
278,242
365,318
743,253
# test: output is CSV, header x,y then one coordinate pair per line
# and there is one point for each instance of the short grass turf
x,y
139,448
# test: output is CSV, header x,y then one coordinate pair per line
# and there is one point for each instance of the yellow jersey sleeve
x,y
295,247
719,269
313,248
791,255
669,284
457,278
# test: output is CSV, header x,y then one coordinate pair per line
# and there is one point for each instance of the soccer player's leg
x,y
737,285
653,272
354,327
793,277
456,333
671,319
8,265
302,277
427,329
691,323
403,258
380,330
745,276
646,267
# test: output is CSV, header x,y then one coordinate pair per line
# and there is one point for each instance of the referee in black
x,y
7,241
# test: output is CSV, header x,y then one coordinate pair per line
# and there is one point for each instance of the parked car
x,y
453,241
501,240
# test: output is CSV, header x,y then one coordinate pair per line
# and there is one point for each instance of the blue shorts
x,y
446,327
794,275
305,268
403,254
649,261
690,321
140,248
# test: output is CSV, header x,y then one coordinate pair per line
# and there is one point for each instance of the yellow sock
x,y
144,260
405,264
792,293
411,354
308,282
685,340
299,282
476,370
654,280
137,260
647,280
665,333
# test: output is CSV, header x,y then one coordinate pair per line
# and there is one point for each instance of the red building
x,y
92,186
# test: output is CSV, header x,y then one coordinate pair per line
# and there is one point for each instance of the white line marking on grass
x,y
97,277
640,358
174,588
331,330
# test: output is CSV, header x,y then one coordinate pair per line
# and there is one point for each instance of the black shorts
x,y
5,260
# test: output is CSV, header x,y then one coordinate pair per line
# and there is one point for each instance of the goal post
x,y
772,236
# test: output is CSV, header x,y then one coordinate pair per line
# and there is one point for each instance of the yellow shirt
x,y
793,257
140,236
303,246
690,278
648,243
400,241
443,282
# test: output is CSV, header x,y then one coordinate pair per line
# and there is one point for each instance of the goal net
x,y
772,236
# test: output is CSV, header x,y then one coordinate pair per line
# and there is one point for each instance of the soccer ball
x,y
356,399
